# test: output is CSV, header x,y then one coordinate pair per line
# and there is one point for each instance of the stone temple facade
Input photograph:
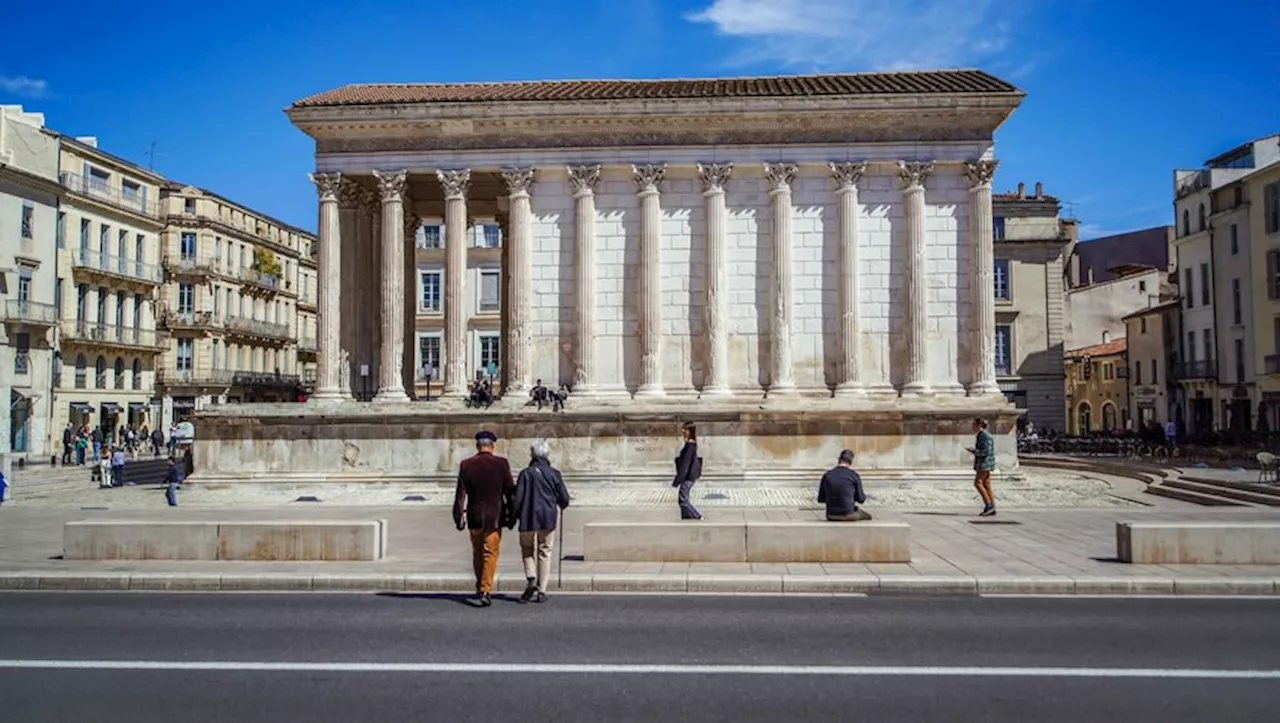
x,y
799,264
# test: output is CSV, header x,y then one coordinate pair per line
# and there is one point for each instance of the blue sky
x,y
1119,92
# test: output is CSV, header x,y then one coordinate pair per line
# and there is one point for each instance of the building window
x,y
490,296
1084,419
997,228
1137,373
1142,287
137,374
22,353
1235,239
1235,301
430,237
1186,222
1109,417
1205,288
1155,371
186,298
1004,350
430,284
84,234
1189,292
429,357
1142,325
488,236
81,371
140,251
1001,279
60,233
184,355
1208,345
189,206
1239,347
119,373
1271,207
489,354
216,362
28,220
100,373
187,245
1273,274
1191,347
1201,228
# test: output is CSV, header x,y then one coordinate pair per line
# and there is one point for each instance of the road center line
x,y
675,669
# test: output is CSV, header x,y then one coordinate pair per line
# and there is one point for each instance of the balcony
x,y
103,191
188,319
192,265
260,279
90,332
188,377
31,313
265,379
307,345
253,327
1196,370
118,266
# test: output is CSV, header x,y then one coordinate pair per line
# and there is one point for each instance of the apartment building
x,y
1032,243
109,275
238,304
1220,344
29,192
1152,337
485,283
1097,387
1257,219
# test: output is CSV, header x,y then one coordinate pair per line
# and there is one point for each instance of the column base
x,y
391,396
983,389
328,396
917,389
881,390
784,389
847,390
720,391
950,389
651,391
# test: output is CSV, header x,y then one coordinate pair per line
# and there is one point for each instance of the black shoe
x,y
987,512
540,597
529,592
486,600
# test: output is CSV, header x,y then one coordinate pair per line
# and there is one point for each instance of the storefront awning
x,y
110,408
184,403
82,407
138,406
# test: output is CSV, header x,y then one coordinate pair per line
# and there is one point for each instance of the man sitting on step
x,y
841,491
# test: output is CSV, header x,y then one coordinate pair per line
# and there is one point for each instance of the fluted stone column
x,y
913,174
328,384
391,188
409,302
583,179
520,267
846,176
366,341
982,272
782,376
647,180
714,178
350,308
455,184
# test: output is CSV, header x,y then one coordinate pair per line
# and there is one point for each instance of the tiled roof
x,y
1115,346
1014,197
848,84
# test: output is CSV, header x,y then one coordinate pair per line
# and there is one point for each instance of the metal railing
x,y
258,328
260,278
117,265
1196,370
192,264
265,379
109,334
30,312
189,319
211,377
307,343
104,191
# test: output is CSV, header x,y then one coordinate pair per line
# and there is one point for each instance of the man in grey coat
x,y
540,496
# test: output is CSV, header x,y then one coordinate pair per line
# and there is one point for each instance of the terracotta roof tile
x,y
849,84
1115,346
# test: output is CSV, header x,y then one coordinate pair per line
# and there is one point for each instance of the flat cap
x,y
486,437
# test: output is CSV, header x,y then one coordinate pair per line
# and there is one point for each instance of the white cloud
x,y
24,86
864,34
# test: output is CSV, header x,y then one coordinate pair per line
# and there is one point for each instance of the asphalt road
x,y
314,657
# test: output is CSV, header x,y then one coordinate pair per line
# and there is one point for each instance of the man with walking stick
x,y
540,498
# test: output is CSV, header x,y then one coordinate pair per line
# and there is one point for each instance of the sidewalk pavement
x,y
1044,551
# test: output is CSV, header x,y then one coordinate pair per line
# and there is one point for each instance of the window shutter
x,y
1272,262
489,290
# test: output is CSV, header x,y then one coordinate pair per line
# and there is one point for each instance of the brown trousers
x,y
484,555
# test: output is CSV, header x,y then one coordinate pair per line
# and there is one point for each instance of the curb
x,y
671,584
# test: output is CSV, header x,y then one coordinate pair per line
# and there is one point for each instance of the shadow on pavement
x,y
464,599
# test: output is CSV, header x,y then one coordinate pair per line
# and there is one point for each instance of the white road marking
x,y
627,669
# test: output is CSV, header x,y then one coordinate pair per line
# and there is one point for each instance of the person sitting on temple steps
x,y
841,491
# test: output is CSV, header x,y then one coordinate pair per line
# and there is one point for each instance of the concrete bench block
x,y
124,540
326,541
1198,543
664,542
814,541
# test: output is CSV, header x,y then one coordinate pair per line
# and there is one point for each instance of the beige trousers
x,y
535,548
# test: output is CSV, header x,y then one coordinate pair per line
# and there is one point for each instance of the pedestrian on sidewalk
x,y
688,471
540,496
82,442
841,491
984,461
157,442
118,458
97,437
483,505
68,442
173,480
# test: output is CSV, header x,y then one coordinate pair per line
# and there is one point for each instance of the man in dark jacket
x,y
483,505
841,491
540,495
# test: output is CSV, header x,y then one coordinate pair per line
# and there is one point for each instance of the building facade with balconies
x,y
1152,336
239,289
29,224
109,275
1097,388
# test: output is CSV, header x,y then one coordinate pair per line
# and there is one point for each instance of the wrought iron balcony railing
x,y
102,190
92,331
32,313
257,328
117,266
1196,370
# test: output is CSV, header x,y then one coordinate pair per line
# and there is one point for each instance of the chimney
x,y
1022,190
1106,337
1039,189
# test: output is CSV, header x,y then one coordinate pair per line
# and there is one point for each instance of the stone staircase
x,y
45,482
1182,485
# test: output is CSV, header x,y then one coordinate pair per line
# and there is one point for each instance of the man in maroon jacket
x,y
483,505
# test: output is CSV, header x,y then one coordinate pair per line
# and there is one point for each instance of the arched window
x,y
101,368
81,371
137,373
1186,222
119,370
1108,417
1084,419
1201,217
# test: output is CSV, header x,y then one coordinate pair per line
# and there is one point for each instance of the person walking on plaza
x,y
483,505
68,441
118,458
984,461
841,491
688,470
157,441
540,496
97,437
173,479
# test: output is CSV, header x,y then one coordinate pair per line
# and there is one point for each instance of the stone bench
x,y
293,541
1198,543
754,541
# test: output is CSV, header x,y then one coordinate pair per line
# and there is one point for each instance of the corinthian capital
x,y
519,180
411,224
980,173
583,179
714,176
648,177
349,194
392,184
780,175
455,182
327,185
912,174
847,175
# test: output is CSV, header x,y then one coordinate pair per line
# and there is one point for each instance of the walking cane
x,y
560,563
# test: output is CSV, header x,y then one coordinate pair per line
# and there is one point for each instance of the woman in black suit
x,y
688,470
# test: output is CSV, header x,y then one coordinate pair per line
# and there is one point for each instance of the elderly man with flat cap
x,y
483,505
